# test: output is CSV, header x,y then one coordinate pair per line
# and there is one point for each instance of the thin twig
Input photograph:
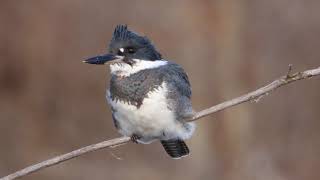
x,y
254,95
289,71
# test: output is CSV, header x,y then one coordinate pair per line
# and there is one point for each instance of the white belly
x,y
152,120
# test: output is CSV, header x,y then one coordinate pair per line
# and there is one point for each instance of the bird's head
x,y
127,47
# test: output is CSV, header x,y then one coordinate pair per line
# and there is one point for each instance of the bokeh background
x,y
51,103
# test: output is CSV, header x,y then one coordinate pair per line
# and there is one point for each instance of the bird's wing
x,y
179,91
177,78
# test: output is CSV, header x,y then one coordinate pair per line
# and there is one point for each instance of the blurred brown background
x,y
51,103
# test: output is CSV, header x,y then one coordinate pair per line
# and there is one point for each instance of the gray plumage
x,y
133,89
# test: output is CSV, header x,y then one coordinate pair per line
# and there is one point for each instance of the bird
x,y
150,97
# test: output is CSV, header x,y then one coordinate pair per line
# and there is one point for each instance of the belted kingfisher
x,y
149,96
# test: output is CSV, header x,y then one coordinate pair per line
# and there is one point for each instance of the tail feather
x,y
176,148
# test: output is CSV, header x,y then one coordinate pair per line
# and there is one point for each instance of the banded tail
x,y
176,148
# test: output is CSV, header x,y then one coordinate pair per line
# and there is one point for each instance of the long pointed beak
x,y
103,59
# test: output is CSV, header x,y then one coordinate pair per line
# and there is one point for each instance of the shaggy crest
x,y
121,32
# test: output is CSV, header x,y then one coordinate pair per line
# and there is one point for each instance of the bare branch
x,y
259,93
254,95
67,156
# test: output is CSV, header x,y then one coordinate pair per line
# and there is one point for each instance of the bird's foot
x,y
135,138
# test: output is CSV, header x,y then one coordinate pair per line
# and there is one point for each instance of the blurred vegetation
x,y
51,103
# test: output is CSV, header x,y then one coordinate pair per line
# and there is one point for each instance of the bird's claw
x,y
135,138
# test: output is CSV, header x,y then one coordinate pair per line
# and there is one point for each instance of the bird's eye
x,y
131,50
